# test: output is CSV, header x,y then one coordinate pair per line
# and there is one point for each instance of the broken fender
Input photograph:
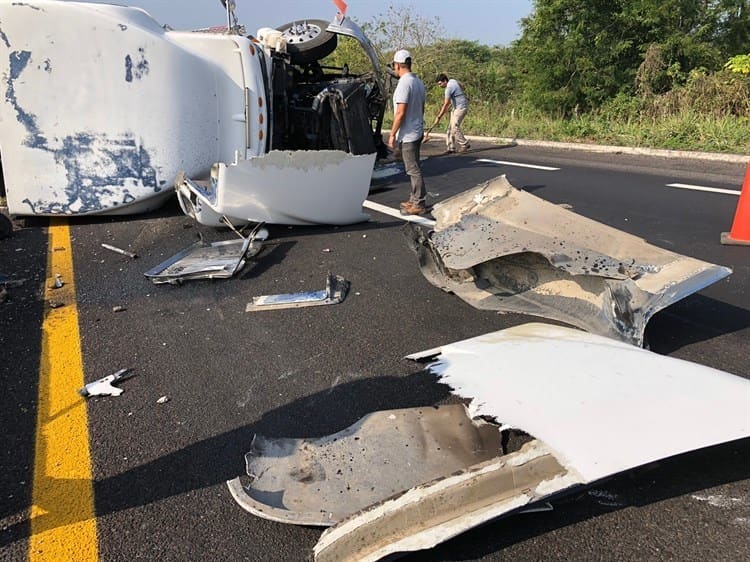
x,y
570,408
500,248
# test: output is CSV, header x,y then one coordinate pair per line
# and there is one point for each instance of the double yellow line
x,y
63,521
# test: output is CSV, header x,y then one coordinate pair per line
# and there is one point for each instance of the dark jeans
x,y
410,156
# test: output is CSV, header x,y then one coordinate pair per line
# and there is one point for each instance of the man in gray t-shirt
x,y
455,97
408,129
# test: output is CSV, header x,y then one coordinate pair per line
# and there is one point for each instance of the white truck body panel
x,y
104,108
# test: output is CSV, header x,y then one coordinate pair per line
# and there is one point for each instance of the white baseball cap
x,y
401,56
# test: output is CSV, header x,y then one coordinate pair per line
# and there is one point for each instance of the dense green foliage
x,y
671,73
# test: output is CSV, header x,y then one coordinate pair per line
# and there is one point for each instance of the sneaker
x,y
412,209
464,148
405,204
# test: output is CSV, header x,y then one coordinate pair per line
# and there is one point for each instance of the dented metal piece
x,y
588,406
218,260
335,292
436,511
322,481
500,248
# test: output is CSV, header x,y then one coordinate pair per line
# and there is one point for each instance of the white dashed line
x,y
517,164
704,188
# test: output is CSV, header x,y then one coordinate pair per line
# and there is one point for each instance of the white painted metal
x,y
103,107
284,187
601,405
597,405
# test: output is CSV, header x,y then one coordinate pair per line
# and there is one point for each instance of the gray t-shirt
x,y
410,90
457,96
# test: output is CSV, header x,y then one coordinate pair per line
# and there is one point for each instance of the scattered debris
x,y
334,293
219,260
119,251
118,308
163,400
500,248
104,386
586,407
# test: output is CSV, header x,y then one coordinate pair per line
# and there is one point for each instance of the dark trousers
x,y
410,156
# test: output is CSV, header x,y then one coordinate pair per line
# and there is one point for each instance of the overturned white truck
x,y
104,107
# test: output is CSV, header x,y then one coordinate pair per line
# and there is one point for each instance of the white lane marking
x,y
518,164
703,188
395,213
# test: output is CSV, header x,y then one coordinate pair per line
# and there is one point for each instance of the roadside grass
x,y
686,130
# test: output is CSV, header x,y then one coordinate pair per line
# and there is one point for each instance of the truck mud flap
x,y
500,248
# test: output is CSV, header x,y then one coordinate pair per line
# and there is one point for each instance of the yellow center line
x,y
63,523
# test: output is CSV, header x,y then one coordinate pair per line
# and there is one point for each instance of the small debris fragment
x,y
163,400
118,308
104,386
364,236
326,250
334,293
58,283
119,251
54,304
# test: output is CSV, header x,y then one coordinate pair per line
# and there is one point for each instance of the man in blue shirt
x,y
408,129
455,96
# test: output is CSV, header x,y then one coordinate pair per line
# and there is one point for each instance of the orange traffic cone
x,y
740,233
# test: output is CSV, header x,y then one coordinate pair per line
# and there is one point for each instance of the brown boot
x,y
413,209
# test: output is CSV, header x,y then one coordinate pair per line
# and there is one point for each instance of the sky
x,y
490,22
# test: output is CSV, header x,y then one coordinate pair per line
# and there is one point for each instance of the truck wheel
x,y
307,40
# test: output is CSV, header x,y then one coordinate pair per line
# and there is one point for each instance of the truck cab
x,y
105,110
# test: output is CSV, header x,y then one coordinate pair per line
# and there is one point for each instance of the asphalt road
x,y
160,469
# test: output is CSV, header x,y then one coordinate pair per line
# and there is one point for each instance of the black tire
x,y
307,40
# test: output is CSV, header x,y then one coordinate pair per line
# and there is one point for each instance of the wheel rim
x,y
302,33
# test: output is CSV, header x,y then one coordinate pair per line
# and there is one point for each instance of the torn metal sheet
x,y
436,511
282,187
335,292
218,260
322,481
590,406
500,248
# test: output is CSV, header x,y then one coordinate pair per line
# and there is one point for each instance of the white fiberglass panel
x,y
601,405
101,110
294,187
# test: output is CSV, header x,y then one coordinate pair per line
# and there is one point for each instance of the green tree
x,y
579,53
